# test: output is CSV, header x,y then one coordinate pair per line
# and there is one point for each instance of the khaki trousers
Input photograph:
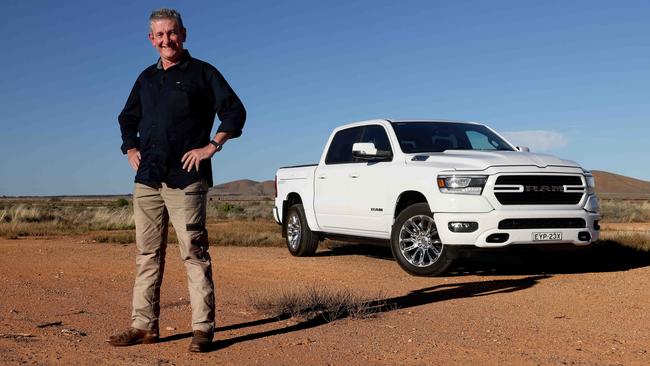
x,y
186,209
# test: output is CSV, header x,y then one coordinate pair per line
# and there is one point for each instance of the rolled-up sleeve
x,y
129,119
226,104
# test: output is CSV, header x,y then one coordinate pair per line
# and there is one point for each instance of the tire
x,y
301,241
415,243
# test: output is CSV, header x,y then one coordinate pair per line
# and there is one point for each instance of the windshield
x,y
423,137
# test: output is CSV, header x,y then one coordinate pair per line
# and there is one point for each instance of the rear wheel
x,y
415,242
301,241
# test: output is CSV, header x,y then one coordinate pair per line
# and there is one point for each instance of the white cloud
x,y
540,141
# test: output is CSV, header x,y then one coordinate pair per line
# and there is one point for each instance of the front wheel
x,y
301,241
415,242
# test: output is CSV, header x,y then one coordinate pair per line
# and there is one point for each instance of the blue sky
x,y
570,78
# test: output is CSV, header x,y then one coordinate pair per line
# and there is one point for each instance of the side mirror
x,y
368,151
523,149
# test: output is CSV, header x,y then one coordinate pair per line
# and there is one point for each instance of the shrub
x,y
121,202
314,302
227,207
115,237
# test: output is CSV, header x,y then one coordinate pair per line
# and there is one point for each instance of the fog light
x,y
596,225
584,236
497,238
463,227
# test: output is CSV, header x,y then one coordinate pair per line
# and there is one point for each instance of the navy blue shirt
x,y
170,112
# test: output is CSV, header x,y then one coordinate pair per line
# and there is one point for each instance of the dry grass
x,y
625,210
247,233
230,222
316,302
242,223
242,232
118,236
253,209
48,218
639,240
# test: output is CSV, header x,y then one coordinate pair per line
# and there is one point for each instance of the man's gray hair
x,y
166,14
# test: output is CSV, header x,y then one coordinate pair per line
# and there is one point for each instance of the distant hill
x,y
608,185
244,187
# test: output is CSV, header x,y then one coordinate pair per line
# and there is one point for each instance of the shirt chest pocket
x,y
185,97
186,89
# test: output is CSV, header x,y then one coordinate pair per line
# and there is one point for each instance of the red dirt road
x,y
583,310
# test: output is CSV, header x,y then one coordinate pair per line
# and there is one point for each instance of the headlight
x,y
591,184
463,184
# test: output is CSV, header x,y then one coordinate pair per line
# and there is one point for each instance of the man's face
x,y
167,37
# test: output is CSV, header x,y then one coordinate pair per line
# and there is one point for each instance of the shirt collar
x,y
185,60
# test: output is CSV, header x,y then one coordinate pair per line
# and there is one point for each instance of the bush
x,y
228,207
315,301
122,202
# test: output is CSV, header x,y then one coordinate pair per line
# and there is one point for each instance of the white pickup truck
x,y
427,187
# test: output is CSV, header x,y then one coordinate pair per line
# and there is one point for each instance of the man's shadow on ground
x,y
427,295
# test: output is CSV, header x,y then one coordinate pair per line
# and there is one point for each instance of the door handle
x,y
354,175
321,177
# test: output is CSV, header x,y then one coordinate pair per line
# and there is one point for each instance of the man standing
x,y
166,129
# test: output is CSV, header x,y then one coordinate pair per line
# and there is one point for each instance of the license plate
x,y
547,236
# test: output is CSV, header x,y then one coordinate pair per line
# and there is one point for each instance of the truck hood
x,y
481,160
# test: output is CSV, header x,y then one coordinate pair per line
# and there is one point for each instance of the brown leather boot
x,y
133,336
201,341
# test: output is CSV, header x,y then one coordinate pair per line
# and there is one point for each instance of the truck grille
x,y
539,189
550,223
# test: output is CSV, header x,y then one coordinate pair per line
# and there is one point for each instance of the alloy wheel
x,y
293,231
419,241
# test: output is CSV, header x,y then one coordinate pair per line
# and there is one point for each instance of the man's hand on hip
x,y
134,158
192,158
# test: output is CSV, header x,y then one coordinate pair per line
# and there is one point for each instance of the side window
x,y
340,150
377,135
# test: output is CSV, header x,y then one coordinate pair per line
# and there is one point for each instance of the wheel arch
x,y
293,198
406,199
